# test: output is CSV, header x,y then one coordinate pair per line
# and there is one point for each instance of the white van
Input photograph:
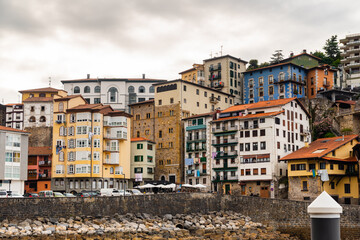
x,y
106,192
46,193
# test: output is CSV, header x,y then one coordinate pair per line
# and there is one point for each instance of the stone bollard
x,y
325,218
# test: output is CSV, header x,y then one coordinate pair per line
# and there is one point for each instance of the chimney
x,y
143,75
88,76
306,144
304,51
291,54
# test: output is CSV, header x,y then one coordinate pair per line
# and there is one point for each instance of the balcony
x,y
32,176
225,178
214,99
119,136
110,162
111,149
189,172
196,138
326,84
354,50
225,141
203,159
203,172
215,68
215,77
60,121
44,176
114,124
352,65
224,129
222,154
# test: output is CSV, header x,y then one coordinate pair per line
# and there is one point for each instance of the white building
x,y
13,159
15,116
117,92
249,140
351,59
197,149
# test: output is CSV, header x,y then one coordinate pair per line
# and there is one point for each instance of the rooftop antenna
x,y
221,50
211,54
49,81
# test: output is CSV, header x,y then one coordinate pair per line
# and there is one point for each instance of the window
x,y
262,132
160,102
332,185
96,143
139,146
150,159
304,186
148,115
141,89
184,88
341,166
32,119
97,89
263,145
255,146
347,188
160,134
263,171
300,167
76,89
197,91
151,89
113,94
159,114
171,112
255,171
311,166
61,107
87,89
149,146
139,158
171,130
322,165
131,89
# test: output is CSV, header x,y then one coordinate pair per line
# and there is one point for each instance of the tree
x,y
277,57
264,64
331,48
253,64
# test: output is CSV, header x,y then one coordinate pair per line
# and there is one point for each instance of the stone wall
x,y
40,136
286,215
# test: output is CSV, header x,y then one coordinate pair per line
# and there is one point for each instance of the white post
x,y
325,218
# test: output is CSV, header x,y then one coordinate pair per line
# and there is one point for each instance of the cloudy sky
x,y
67,39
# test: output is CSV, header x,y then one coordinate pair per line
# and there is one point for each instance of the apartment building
x,y
38,106
116,92
174,100
279,81
319,79
39,169
13,159
250,139
2,115
197,149
351,59
91,146
15,116
142,161
224,74
327,164
194,74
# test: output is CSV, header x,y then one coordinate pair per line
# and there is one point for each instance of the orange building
x,y
319,79
39,169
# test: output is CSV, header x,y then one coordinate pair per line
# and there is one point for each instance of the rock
x,y
168,217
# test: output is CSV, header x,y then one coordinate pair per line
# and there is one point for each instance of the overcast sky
x,y
67,39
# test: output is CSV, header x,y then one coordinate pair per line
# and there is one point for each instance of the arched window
x,y
97,89
42,119
111,170
87,89
42,95
141,89
112,93
32,119
76,89
131,89
162,178
151,89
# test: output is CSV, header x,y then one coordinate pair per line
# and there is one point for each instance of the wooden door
x,y
264,192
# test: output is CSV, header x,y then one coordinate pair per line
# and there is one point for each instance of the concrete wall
x,y
287,216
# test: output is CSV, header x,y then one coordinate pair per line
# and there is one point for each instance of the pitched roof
x,y
47,89
297,55
200,115
67,97
143,102
188,70
273,65
229,56
257,105
114,79
141,139
12,129
258,115
96,106
13,104
40,151
319,148
39,99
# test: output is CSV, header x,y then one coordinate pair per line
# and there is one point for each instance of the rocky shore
x,y
215,225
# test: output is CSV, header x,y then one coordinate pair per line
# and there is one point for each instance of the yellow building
x,y
327,164
194,74
47,92
91,147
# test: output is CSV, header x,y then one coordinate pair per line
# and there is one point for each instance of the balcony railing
x,y
44,175
214,68
189,172
111,149
44,163
109,161
215,77
214,99
114,124
226,154
203,159
225,129
115,136
225,141
196,138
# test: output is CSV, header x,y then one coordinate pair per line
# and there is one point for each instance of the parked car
x,y
106,192
58,194
3,193
124,193
134,192
82,194
15,195
92,193
46,193
69,195
34,195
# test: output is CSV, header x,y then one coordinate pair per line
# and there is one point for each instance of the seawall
x,y
285,215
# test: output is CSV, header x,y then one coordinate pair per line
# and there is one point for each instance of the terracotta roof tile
x,y
12,129
143,102
39,99
13,104
349,159
67,97
200,115
262,104
346,102
40,151
141,139
259,115
319,148
47,89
